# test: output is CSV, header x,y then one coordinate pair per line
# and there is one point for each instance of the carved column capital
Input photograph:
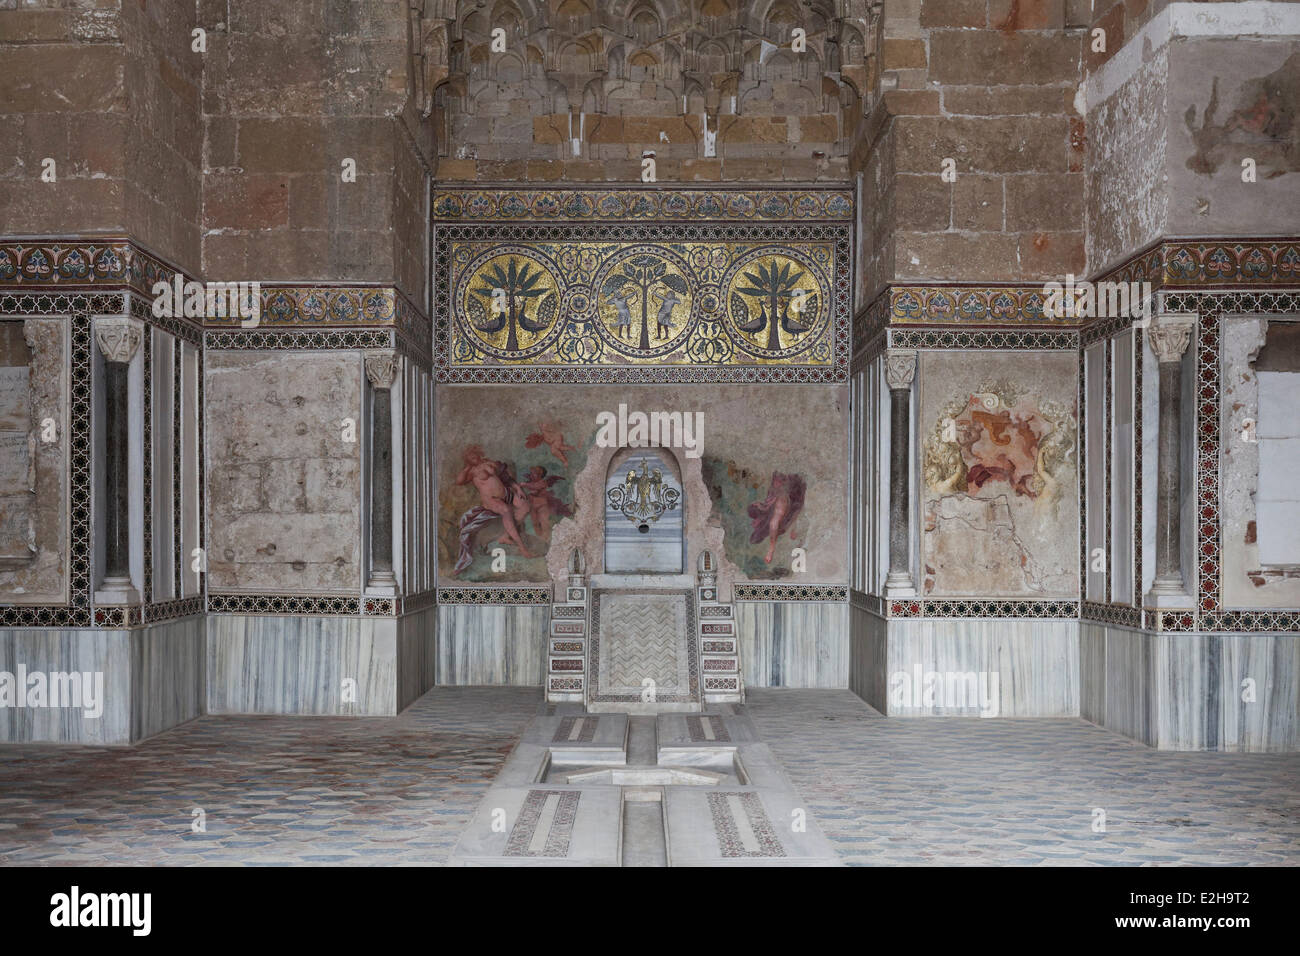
x,y
382,368
900,368
1170,334
118,337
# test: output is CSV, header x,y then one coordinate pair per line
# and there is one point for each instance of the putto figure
x,y
549,434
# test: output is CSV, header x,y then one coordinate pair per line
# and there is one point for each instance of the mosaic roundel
x,y
775,302
644,304
510,302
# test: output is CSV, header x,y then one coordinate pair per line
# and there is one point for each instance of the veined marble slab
x,y
492,644
143,681
793,643
1221,692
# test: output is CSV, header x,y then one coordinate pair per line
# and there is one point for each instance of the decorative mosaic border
x,y
71,263
839,331
972,305
727,830
1044,340
789,592
596,204
1211,306
1122,615
530,815
1006,608
1212,262
494,596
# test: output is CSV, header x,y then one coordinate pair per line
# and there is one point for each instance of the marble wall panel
x,y
299,665
869,657
485,644
793,643
1029,668
417,655
144,681
1221,692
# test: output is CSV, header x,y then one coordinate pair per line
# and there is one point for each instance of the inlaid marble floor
x,y
953,791
319,791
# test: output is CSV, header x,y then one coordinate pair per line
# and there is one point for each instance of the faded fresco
x,y
1231,99
999,472
522,474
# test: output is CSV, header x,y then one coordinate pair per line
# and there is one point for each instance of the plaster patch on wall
x,y
1243,584
284,484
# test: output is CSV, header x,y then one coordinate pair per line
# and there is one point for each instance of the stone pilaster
x,y
118,339
900,370
381,372
1169,336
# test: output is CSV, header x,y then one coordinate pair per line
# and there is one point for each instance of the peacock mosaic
x,y
567,303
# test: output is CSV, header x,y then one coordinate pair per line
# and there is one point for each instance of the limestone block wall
x,y
284,498
993,88
1183,94
110,93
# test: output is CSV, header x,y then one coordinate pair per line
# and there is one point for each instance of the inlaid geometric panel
x,y
640,635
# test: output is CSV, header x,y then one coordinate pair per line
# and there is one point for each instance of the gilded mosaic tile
x,y
648,303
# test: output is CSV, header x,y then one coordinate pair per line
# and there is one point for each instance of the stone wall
x,y
993,88
109,91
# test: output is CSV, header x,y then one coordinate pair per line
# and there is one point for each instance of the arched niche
x,y
645,513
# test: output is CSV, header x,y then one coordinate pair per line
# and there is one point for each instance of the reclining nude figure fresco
x,y
500,495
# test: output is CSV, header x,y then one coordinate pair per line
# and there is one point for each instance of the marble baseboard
x,y
1184,691
793,643
299,665
145,681
989,668
868,656
492,644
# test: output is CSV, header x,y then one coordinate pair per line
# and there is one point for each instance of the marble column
x,y
118,339
381,371
1169,336
900,369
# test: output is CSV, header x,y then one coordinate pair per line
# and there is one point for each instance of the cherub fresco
x,y
543,506
549,434
997,436
773,515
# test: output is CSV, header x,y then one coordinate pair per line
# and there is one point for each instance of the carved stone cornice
x,y
900,368
1170,334
118,337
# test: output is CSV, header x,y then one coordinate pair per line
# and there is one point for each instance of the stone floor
x,y
952,791
316,791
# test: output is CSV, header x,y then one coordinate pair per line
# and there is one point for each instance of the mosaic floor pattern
x,y
953,791
329,791
273,790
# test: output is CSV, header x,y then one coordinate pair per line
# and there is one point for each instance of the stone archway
x,y
645,513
